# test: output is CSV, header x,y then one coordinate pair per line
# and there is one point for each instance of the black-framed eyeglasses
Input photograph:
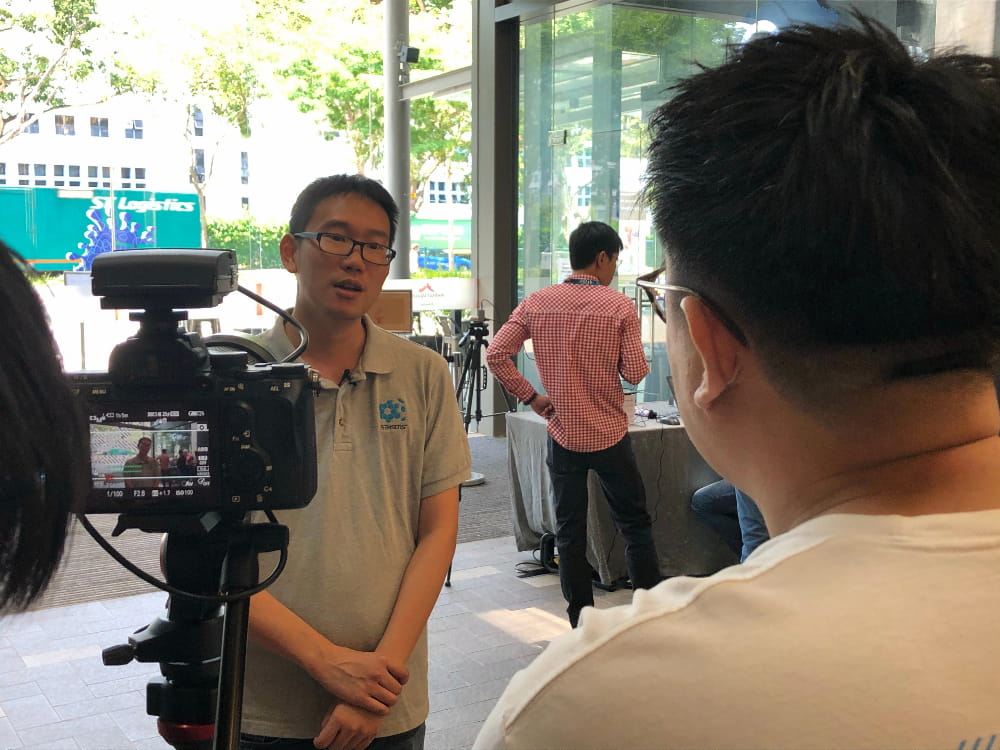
x,y
335,243
650,287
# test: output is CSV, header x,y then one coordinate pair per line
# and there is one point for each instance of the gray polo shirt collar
x,y
376,358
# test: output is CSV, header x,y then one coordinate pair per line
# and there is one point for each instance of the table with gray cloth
x,y
671,470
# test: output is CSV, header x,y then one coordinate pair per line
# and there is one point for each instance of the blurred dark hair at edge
x,y
44,442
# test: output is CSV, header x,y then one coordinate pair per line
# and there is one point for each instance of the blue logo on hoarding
x,y
129,236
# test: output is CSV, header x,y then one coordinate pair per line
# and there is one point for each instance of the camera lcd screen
x,y
147,454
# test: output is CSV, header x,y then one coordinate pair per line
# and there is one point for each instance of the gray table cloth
x,y
671,470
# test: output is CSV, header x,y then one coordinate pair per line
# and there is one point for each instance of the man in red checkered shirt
x,y
586,339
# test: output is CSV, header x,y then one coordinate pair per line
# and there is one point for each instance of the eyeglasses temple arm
x,y
654,303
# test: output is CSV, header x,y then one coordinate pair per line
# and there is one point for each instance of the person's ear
x,y
288,248
717,348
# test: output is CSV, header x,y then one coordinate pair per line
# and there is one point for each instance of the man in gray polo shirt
x,y
338,647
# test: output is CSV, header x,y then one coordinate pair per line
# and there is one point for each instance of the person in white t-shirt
x,y
831,218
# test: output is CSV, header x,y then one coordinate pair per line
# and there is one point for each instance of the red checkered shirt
x,y
585,336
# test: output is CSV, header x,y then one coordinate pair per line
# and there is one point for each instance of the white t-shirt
x,y
847,632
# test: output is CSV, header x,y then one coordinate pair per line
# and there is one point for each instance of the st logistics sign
x,y
65,229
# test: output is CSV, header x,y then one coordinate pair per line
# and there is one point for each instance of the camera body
x,y
179,427
249,432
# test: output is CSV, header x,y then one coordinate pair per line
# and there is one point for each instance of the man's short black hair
x,y
831,191
589,239
341,184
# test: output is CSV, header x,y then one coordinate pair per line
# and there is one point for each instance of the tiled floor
x,y
55,694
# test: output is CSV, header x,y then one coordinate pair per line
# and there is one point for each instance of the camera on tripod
x,y
250,431
248,428
478,329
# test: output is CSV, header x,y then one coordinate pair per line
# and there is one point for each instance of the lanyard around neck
x,y
585,282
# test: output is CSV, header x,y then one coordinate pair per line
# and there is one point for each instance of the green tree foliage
x,y
234,64
232,68
440,134
50,54
344,91
342,86
680,42
229,83
256,245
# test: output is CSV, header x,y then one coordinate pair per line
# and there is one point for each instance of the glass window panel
x,y
65,125
589,80
99,127
199,165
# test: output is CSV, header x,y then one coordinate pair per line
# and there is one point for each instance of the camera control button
x,y
248,469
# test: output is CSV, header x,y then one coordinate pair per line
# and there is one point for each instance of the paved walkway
x,y
55,694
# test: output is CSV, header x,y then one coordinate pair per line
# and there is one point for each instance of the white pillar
x,y
397,127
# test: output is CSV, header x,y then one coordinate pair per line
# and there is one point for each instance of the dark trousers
x,y
734,516
619,475
715,504
411,740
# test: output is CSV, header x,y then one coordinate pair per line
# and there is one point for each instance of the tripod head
x,y
478,330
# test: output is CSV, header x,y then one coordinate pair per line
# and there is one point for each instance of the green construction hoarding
x,y
65,229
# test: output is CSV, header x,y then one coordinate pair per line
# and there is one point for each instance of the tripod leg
x,y
479,390
471,388
466,385
463,381
241,574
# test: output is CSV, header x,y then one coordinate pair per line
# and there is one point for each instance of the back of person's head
x,y
834,194
342,184
589,239
44,446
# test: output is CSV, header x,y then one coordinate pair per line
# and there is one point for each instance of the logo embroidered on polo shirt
x,y
392,412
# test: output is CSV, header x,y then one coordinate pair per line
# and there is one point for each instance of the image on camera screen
x,y
145,454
